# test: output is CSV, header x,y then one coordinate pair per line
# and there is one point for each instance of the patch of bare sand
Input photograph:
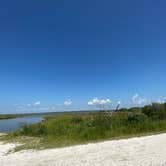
x,y
142,151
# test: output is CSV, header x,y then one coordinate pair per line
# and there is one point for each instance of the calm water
x,y
7,125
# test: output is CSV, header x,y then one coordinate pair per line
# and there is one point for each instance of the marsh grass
x,y
9,116
73,129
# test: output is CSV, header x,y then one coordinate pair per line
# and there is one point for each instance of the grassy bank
x,y
9,116
72,129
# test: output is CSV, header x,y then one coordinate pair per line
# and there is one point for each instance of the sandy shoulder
x,y
143,151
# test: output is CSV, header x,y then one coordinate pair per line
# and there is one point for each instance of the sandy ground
x,y
143,151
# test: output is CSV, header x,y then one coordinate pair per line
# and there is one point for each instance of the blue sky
x,y
76,51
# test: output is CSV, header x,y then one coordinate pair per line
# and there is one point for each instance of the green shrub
x,y
26,130
155,111
40,129
137,118
35,130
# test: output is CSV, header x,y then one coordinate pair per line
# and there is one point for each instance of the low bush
x,y
155,111
137,118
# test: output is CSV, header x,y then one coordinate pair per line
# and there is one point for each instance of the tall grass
x,y
64,130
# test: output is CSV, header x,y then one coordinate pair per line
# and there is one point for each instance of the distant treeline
x,y
9,116
154,111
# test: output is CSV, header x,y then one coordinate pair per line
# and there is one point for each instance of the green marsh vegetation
x,y
80,128
10,116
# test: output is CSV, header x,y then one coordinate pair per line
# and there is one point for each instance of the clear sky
x,y
59,50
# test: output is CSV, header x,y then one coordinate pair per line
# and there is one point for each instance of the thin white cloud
x,y
37,103
119,102
96,101
44,108
136,99
19,105
160,101
68,102
53,108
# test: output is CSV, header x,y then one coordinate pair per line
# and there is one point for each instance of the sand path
x,y
143,151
